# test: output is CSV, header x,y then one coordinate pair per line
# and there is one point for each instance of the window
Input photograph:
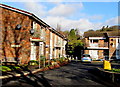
x,y
118,40
34,25
111,39
90,41
86,55
43,34
106,40
95,41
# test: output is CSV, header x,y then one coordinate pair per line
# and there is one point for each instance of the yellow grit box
x,y
107,65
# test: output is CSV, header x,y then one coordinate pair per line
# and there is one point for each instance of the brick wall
x,y
1,25
112,47
10,36
101,43
86,51
100,54
47,43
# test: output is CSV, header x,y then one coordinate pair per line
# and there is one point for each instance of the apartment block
x,y
25,37
103,47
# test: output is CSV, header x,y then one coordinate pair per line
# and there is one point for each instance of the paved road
x,y
73,75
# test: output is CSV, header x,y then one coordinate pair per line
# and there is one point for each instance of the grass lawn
x,y
7,68
114,70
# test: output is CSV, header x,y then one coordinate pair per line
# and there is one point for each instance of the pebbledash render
x,y
25,37
105,46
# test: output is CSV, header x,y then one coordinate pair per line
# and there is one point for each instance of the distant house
x,y
114,47
102,46
25,37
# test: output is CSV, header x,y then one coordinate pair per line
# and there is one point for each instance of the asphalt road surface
x,y
74,74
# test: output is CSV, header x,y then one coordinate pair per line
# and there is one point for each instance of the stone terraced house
x,y
25,37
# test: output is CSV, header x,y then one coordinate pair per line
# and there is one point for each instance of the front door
x,y
33,51
93,54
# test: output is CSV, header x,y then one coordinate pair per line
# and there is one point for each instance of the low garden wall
x,y
106,74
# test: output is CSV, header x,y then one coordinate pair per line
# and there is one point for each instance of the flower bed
x,y
33,65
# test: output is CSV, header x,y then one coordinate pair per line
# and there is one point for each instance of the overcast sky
x,y
81,15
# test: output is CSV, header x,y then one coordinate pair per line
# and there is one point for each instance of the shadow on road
x,y
30,80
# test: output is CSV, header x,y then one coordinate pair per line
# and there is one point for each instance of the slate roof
x,y
102,34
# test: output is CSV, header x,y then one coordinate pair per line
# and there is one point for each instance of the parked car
x,y
86,58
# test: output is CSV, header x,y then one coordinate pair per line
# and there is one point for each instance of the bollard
x,y
107,65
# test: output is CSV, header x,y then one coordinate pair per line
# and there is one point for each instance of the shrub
x,y
116,70
33,62
62,59
5,68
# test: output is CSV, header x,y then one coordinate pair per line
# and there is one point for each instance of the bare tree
x,y
58,28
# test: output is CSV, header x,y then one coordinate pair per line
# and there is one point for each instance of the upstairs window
x,y
118,40
34,25
90,41
95,41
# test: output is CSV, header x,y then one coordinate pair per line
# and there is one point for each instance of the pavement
x,y
30,69
17,73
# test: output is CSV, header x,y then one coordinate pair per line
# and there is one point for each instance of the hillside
x,y
112,31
